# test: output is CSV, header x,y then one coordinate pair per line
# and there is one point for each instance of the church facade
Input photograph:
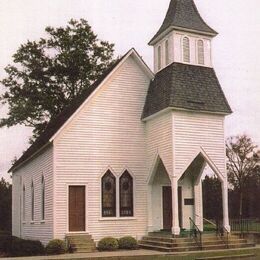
x,y
127,156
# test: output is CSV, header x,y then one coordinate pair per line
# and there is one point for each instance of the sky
x,y
132,23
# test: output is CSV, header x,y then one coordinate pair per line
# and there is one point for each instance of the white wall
x,y
106,133
193,130
42,165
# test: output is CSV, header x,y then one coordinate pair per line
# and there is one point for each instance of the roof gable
x,y
57,124
183,14
184,86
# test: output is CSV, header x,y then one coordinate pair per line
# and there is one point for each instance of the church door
x,y
167,207
77,208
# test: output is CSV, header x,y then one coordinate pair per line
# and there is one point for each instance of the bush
x,y
127,242
26,247
5,243
108,244
56,247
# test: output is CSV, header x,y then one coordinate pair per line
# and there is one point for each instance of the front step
x,y
209,242
81,243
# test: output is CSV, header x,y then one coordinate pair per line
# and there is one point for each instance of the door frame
x,y
180,216
86,207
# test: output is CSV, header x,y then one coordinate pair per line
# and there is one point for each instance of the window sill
x,y
117,218
24,222
32,222
42,222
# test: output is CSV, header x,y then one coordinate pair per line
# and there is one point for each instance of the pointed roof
x,y
184,86
184,15
58,122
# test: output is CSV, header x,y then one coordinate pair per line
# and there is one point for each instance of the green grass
x,y
190,256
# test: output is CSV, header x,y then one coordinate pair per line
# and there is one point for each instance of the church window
x,y
23,202
166,52
159,58
32,202
186,49
108,186
43,198
201,52
126,195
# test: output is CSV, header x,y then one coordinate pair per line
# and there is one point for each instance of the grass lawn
x,y
191,256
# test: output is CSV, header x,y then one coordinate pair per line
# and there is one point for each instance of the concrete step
x,y
81,243
168,249
168,244
165,239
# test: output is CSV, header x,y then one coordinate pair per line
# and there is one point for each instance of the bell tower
x,y
183,37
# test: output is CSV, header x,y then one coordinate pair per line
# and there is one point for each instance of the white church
x,y
127,156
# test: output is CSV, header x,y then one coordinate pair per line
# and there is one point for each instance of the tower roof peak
x,y
183,15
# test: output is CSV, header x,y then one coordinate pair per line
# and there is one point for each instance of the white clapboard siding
x,y
42,165
106,133
159,141
195,130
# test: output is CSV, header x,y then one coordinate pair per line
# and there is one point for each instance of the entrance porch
x,y
176,201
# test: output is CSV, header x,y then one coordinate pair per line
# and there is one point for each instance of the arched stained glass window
x,y
201,52
23,202
108,187
32,201
126,195
43,198
186,49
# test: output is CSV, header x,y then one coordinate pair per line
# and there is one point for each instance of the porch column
x,y
198,205
149,209
175,208
224,186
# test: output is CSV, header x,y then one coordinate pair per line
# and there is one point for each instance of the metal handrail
x,y
195,233
223,233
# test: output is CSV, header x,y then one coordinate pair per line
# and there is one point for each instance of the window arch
x,y
23,202
166,52
186,49
108,188
43,198
159,57
126,195
201,58
32,201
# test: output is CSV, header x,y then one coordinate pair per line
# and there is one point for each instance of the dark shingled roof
x,y
184,14
56,123
188,87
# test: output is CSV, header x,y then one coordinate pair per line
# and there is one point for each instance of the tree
x,y
50,72
5,206
243,158
212,198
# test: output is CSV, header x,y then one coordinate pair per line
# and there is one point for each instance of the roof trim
x,y
181,29
129,53
167,109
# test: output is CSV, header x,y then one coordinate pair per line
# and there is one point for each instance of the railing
x,y
245,225
195,233
223,233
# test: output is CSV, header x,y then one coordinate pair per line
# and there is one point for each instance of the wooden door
x,y
77,208
167,208
180,205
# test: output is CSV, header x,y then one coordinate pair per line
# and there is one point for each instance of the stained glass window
x,y
108,195
126,195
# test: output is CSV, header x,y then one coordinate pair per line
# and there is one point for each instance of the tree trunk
x,y
241,204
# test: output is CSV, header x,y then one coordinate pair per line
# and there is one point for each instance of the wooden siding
x,y
159,141
106,133
40,166
195,130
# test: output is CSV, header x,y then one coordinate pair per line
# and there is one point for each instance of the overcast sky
x,y
132,23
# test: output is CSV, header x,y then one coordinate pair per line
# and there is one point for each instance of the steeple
x,y
183,15
183,37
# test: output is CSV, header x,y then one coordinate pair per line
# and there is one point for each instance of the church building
x,y
127,156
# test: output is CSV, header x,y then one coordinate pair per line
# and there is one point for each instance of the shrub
x,y
5,243
56,247
108,244
127,242
26,247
